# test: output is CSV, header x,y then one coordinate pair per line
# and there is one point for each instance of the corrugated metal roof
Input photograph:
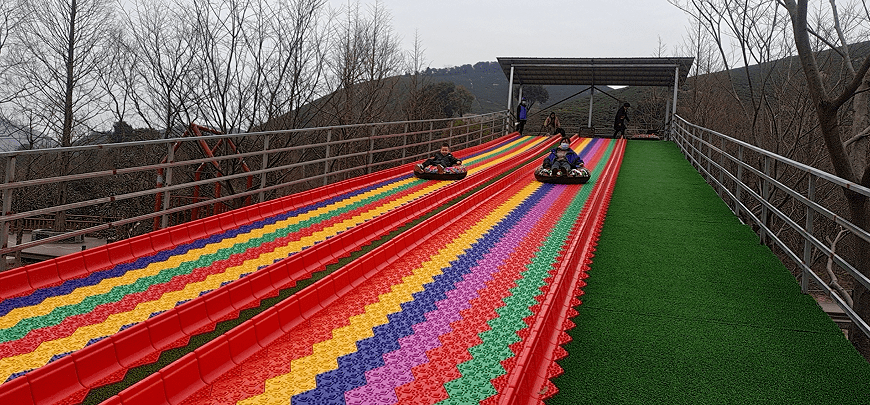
x,y
596,71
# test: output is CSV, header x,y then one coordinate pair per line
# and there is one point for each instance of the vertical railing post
x,y
265,165
808,247
765,195
450,134
326,159
739,191
7,209
429,145
167,181
722,166
709,154
371,150
404,144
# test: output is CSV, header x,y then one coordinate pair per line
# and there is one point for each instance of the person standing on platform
x,y
552,123
621,119
522,113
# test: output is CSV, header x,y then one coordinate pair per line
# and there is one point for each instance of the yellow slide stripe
x,y
325,356
114,322
76,296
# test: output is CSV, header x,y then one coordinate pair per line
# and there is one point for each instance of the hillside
x,y
489,85
487,82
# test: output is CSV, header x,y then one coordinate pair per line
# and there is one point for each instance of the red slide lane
x,y
67,380
535,364
25,280
195,370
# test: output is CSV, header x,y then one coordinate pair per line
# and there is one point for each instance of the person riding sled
x,y
562,161
442,158
441,166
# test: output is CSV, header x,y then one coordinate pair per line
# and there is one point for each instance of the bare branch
x,y
846,57
830,268
865,133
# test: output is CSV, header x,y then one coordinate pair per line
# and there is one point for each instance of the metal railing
x,y
752,181
122,181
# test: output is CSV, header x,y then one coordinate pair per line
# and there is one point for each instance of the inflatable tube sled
x,y
544,176
440,173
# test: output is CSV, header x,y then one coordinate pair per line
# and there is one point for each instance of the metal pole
x,y
591,97
808,247
170,158
676,86
668,121
722,166
326,162
709,154
371,150
262,194
739,184
429,144
510,89
7,208
404,144
765,194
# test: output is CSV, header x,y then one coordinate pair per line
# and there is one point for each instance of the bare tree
x,y
116,75
416,107
62,43
59,48
12,17
364,56
849,154
165,45
291,61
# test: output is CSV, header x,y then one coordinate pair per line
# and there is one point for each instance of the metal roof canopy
x,y
596,71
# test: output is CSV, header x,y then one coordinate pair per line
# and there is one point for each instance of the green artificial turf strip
x,y
683,305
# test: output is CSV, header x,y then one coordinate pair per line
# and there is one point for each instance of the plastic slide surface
x,y
54,309
462,308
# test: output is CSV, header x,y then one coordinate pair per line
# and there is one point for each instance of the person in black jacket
x,y
619,122
442,158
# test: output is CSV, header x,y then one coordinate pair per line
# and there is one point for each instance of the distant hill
x,y
14,137
487,81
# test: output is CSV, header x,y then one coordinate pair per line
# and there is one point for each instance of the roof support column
x,y
676,85
591,96
510,89
667,117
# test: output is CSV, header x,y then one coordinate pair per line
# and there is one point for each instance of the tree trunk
x,y
66,135
856,171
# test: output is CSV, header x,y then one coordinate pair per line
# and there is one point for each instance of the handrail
x,y
712,159
798,165
123,174
82,148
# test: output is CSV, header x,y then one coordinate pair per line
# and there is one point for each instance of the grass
x,y
684,306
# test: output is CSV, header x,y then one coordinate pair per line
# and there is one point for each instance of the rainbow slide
x,y
78,322
469,306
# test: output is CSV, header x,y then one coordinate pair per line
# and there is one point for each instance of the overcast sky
x,y
458,32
